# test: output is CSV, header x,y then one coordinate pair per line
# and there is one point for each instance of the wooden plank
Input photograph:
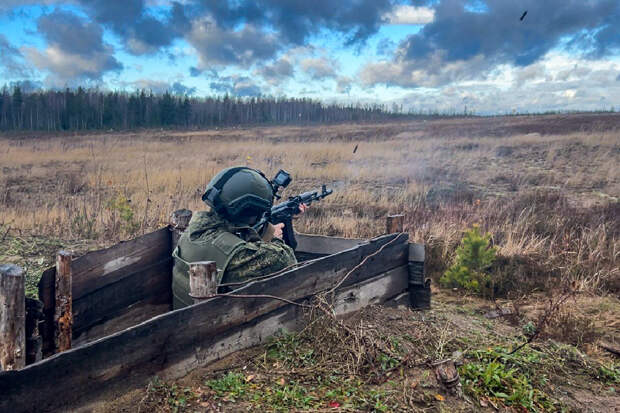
x,y
373,291
111,301
319,244
376,290
46,295
100,268
128,317
131,357
12,317
63,313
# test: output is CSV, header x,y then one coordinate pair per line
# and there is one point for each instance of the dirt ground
x,y
455,328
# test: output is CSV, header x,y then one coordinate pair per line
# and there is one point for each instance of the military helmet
x,y
239,192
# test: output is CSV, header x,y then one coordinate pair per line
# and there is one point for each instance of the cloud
x,y
499,35
545,90
8,5
385,47
344,85
404,14
75,49
219,47
180,89
141,32
319,68
463,44
236,85
296,20
11,59
277,72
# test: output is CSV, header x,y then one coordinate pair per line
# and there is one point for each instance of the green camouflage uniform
x,y
238,252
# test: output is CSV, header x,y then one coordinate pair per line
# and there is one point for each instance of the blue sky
x,y
426,55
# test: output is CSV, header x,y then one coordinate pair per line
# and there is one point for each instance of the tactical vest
x,y
219,248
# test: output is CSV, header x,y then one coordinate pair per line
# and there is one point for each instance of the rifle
x,y
284,211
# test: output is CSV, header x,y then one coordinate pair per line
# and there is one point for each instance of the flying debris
x,y
523,16
355,149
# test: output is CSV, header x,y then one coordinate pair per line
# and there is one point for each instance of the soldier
x,y
238,198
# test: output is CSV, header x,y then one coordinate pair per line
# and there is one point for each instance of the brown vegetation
x,y
546,188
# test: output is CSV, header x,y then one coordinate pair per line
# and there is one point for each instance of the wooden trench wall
x,y
124,333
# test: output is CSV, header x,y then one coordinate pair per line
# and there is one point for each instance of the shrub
x,y
473,258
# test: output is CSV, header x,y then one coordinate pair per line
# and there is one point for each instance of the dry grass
x,y
546,188
550,201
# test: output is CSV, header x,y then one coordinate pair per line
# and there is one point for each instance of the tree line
x,y
80,109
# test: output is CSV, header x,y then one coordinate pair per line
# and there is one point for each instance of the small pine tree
x,y
473,257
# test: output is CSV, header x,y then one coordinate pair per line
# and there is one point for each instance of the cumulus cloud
x,y
277,72
319,68
141,32
461,44
405,14
499,35
296,20
236,85
219,47
545,90
159,87
75,49
344,85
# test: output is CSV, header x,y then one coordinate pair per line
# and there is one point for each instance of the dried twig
x,y
286,300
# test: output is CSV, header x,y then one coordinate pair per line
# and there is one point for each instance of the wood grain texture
x,y
98,269
322,245
47,296
150,284
12,317
63,311
182,339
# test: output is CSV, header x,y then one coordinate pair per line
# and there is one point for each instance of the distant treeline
x,y
79,109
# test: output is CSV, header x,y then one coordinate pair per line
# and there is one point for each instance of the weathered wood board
x,y
109,285
180,340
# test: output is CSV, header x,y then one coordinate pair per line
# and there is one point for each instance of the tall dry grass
x,y
551,202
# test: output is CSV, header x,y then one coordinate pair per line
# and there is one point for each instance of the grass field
x,y
546,189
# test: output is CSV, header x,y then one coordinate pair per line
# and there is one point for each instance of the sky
x,y
483,56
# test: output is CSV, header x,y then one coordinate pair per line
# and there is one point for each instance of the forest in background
x,y
84,109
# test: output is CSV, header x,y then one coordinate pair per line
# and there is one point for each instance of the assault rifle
x,y
284,211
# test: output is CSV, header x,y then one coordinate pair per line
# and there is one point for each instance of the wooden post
x,y
63,311
202,279
179,221
419,285
12,317
394,223
34,342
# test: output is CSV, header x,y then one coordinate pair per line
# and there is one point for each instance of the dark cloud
x,y
499,35
464,44
296,20
180,89
141,32
277,72
71,33
75,49
219,47
11,60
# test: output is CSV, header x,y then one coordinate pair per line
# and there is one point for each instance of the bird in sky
x,y
523,16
